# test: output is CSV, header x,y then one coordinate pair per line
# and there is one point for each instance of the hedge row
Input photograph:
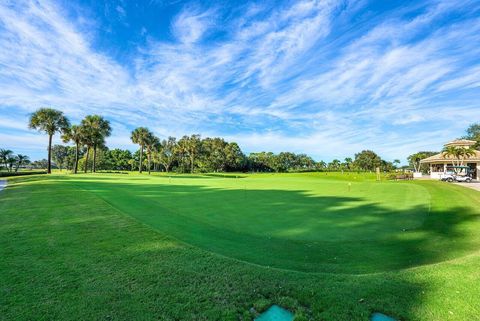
x,y
397,176
7,174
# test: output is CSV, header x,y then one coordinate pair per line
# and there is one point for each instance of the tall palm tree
x,y
152,144
140,136
5,154
49,121
97,129
87,141
75,134
20,160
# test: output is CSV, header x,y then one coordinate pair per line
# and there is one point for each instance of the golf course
x,y
326,246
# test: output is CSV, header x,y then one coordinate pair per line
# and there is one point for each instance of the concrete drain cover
x,y
276,313
381,317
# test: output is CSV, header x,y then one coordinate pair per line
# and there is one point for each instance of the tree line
x,y
187,154
12,162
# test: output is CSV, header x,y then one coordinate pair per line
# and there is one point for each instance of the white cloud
x,y
191,24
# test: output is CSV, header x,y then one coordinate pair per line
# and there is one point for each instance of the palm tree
x,y
11,161
76,135
466,153
152,144
20,160
5,154
396,162
49,121
140,136
348,162
131,162
97,129
451,151
87,141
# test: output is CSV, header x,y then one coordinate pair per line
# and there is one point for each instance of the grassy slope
x,y
72,256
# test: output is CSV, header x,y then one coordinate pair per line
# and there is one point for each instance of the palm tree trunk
x,y
141,159
191,163
94,169
75,168
49,169
149,164
86,159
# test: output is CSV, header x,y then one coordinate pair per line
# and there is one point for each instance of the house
x,y
439,162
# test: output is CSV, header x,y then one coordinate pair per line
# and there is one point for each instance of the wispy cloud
x,y
322,77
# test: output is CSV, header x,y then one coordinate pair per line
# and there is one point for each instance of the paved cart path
x,y
475,185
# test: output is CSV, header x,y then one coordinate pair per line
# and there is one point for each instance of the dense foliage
x,y
473,133
186,155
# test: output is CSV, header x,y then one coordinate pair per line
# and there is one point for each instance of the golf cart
x,y
457,174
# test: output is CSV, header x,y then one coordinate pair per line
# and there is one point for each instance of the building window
x,y
437,168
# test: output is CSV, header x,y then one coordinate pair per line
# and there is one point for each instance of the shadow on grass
x,y
85,260
294,230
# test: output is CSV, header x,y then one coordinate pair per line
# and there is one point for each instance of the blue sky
x,y
327,78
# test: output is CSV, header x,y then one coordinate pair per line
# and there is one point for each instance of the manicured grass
x,y
185,247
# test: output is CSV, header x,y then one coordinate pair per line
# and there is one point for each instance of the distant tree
x,y
386,166
334,165
367,160
49,121
304,162
96,129
396,163
152,144
234,157
40,164
140,136
348,163
261,162
473,133
213,157
132,163
76,135
5,155
167,152
190,146
321,165
285,161
11,161
70,160
414,161
119,159
20,160
59,155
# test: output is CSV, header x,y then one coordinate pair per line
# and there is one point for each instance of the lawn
x,y
206,247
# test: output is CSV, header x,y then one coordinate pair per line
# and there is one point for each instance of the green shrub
x,y
7,174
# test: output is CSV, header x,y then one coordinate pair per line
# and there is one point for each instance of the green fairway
x,y
184,247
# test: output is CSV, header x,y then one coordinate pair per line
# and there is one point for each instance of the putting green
x,y
301,222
